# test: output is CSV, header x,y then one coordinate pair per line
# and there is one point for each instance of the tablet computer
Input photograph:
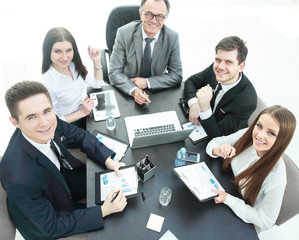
x,y
107,181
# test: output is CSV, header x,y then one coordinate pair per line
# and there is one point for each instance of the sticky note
x,y
155,222
168,236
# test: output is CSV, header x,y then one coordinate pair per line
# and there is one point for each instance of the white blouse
x,y
268,202
66,93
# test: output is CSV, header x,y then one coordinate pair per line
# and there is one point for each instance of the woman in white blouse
x,y
254,155
65,76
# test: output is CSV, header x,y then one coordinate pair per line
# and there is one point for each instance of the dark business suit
x,y
234,108
125,62
39,200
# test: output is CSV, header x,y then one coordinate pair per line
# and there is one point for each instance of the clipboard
x,y
116,145
199,180
107,181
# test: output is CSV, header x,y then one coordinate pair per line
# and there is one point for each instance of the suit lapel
x,y
157,50
230,94
42,160
138,42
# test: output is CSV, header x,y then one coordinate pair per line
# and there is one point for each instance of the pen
x,y
143,196
144,93
114,196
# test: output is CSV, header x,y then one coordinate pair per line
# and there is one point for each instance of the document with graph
x,y
199,179
107,181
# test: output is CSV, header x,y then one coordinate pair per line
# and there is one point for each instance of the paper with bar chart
x,y
199,179
127,183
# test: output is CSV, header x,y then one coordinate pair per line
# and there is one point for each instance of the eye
x,y
31,117
57,51
272,134
69,50
48,110
259,126
217,60
229,62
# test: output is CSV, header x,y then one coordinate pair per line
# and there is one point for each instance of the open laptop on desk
x,y
155,129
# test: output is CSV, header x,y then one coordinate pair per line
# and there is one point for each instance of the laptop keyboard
x,y
154,130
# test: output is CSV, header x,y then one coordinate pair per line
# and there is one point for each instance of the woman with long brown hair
x,y
65,76
254,155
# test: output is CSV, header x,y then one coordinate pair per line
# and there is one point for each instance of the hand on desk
x,y
140,96
225,151
113,206
221,196
140,82
112,165
193,114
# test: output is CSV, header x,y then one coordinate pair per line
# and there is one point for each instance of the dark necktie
x,y
219,87
145,70
63,163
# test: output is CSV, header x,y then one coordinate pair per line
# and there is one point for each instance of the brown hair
x,y
21,91
232,43
253,177
60,35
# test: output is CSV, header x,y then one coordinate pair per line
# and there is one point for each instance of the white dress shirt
x,y
268,202
66,93
144,36
209,112
46,150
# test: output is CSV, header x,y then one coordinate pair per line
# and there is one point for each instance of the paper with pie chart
x,y
109,181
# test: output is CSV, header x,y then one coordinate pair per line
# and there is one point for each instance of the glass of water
x,y
110,122
165,196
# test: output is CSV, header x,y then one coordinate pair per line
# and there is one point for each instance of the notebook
x,y
155,129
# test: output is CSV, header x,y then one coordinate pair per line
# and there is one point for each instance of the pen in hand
x,y
144,94
114,196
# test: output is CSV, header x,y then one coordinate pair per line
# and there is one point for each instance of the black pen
x,y
114,197
144,93
143,196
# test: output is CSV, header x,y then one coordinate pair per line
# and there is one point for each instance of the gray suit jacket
x,y
125,62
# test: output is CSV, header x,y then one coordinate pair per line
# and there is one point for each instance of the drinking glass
x,y
110,122
165,196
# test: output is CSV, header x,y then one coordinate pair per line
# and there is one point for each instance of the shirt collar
x,y
225,88
55,74
41,147
144,36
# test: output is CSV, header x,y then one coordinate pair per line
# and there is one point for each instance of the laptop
x,y
155,129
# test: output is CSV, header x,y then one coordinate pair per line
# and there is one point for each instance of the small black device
x,y
185,106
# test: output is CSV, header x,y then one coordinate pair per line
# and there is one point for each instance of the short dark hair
x,y
165,1
21,91
60,34
232,43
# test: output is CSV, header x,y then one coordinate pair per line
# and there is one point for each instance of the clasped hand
x,y
204,96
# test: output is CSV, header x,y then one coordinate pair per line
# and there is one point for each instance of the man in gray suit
x,y
129,61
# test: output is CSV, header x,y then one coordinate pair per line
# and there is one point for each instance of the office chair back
x,y
8,229
118,17
261,105
290,202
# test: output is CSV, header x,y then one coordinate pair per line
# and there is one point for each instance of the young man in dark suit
x,y
42,179
221,98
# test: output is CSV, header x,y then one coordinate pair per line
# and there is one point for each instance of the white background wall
x,y
270,28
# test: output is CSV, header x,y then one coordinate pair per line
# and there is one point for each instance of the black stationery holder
x,y
145,169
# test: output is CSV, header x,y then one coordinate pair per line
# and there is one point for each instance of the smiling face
x,y
264,134
226,66
61,55
36,118
152,26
